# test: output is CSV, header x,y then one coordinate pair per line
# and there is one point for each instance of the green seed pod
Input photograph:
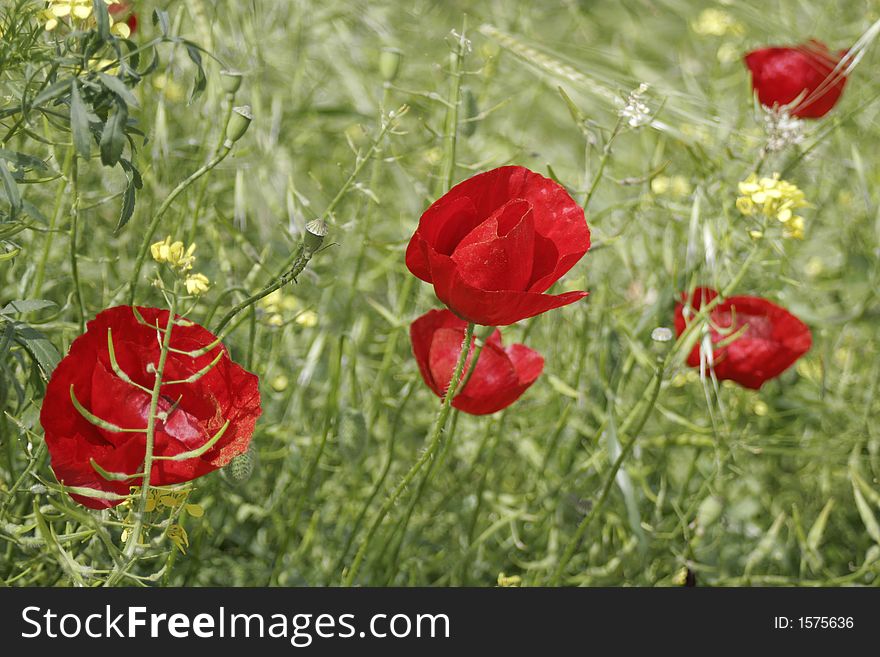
x,y
314,236
389,63
230,81
238,123
241,468
471,110
352,433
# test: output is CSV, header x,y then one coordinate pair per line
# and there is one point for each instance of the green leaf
x,y
201,80
113,136
22,160
26,306
160,18
814,537
102,17
134,183
868,517
79,123
11,188
118,87
40,349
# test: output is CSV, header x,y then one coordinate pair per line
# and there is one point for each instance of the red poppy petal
x,y
782,74
490,257
528,363
487,307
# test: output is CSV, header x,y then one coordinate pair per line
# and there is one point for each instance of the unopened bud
x,y
230,81
389,63
314,236
238,124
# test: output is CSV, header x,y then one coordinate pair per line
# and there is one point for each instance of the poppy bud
x,y
230,81
238,124
389,63
241,468
314,236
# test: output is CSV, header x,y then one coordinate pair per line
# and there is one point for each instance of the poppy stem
x,y
154,223
434,441
603,161
74,231
134,536
653,390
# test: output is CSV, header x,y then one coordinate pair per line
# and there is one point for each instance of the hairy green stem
x,y
653,392
433,443
134,536
157,218
53,222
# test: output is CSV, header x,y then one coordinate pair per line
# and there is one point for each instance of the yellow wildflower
x,y
197,284
174,254
178,536
775,199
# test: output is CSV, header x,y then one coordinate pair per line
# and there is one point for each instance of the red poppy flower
x,y
766,339
502,374
495,242
191,413
123,11
780,75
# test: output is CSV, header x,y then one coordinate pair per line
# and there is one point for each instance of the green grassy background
x,y
741,487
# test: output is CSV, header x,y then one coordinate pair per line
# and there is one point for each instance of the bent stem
x,y
154,223
575,541
74,229
134,536
683,340
433,444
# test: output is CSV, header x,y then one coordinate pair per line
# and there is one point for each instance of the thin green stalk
x,y
53,221
603,161
653,390
74,227
331,410
297,262
433,443
397,535
299,258
450,128
134,536
197,211
157,218
380,481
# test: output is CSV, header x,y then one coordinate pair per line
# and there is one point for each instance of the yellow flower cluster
x,y
775,199
172,502
79,11
181,260
277,303
174,254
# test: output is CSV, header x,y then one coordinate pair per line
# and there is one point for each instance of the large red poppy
x,y
782,74
495,242
193,412
502,373
753,339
